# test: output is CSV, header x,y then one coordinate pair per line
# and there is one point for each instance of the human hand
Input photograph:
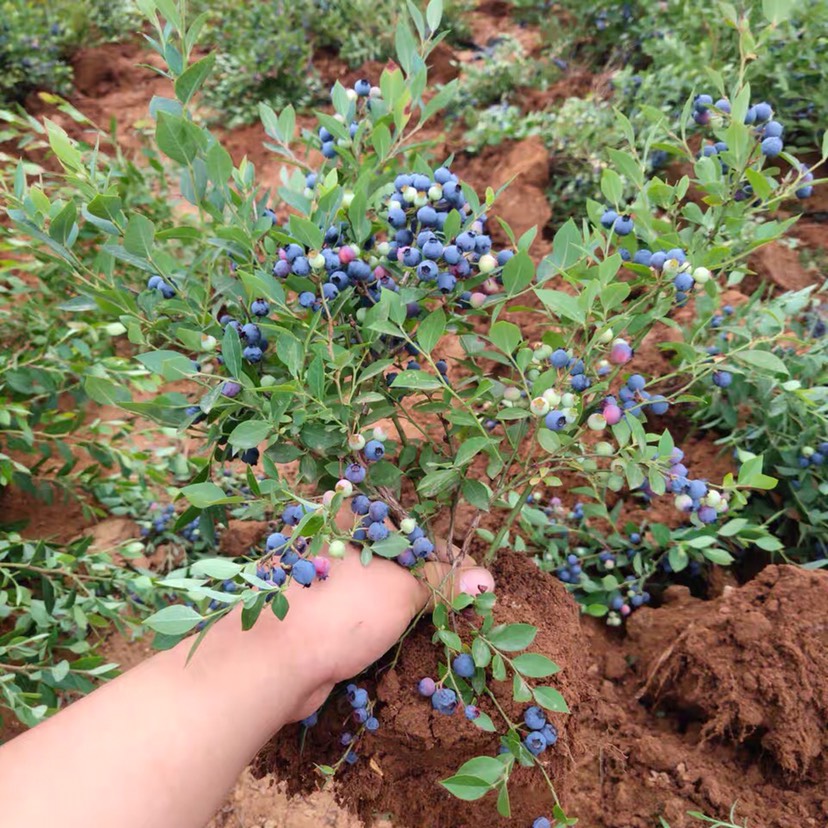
x,y
339,626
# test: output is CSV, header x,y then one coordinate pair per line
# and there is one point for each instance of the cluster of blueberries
x,y
443,699
811,456
160,520
362,90
362,714
284,555
541,735
768,132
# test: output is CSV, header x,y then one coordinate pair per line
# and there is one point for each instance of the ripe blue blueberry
x,y
658,259
307,299
683,282
722,378
351,757
463,665
608,219
378,510
311,720
372,724
763,112
363,88
443,175
433,249
642,257
412,257
504,256
260,308
773,129
446,282
541,822
355,473
231,388
580,383
534,718
550,733
623,225
427,216
329,149
465,241
659,405
444,701
452,254
377,532
535,742
707,514
422,547
426,687
304,572
253,353
275,542
555,420
374,450
471,712
560,358
357,696
636,382
771,147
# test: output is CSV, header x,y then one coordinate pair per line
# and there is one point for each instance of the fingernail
x,y
476,581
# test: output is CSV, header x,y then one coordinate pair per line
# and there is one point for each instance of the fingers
x,y
444,582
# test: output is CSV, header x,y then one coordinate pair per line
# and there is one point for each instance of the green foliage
x,y
37,39
55,605
788,428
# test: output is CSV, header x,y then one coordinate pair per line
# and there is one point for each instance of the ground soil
x,y
699,703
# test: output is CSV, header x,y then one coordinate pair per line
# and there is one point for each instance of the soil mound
x,y
400,765
751,666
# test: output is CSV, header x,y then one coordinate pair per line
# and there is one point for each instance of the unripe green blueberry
x,y
383,248
317,262
604,449
351,94
606,336
543,352
532,374
394,204
512,394
356,442
596,422
722,506
308,192
570,414
336,549
208,343
379,434
808,451
702,275
344,487
435,192
683,502
671,267
507,404
615,482
408,525
420,200
409,194
347,198
267,380
487,263
327,498
539,407
713,498
360,315
552,397
568,400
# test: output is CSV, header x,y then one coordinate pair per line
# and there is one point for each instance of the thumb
x,y
445,582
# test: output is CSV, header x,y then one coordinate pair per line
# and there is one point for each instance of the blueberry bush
x,y
358,338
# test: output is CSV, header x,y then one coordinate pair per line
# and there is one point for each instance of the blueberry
x,y
608,219
541,822
722,378
374,450
771,147
773,129
427,216
763,112
167,291
329,292
555,420
377,532
360,505
642,257
443,175
351,757
636,382
534,718
396,217
471,712
504,256
463,665
560,358
683,282
260,308
311,720
550,733
307,299
707,514
697,489
357,697
329,149
275,542
363,88
412,257
658,259
446,282
304,572
252,353
535,743
444,701
452,254
432,249
623,225
355,473
230,388
281,268
422,547
426,687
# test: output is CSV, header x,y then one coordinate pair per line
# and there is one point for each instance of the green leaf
x,y
534,665
431,329
450,639
105,392
551,699
481,653
174,620
392,546
171,365
487,768
506,336
777,11
562,304
467,788
520,689
511,637
498,668
220,568
476,493
718,556
291,352
306,231
231,351
177,138
764,360
484,722
191,79
219,164
437,482
139,236
518,273
419,380
202,495
611,186
249,434
504,807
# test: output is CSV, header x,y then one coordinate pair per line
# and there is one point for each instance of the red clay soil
x,y
733,706
400,765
